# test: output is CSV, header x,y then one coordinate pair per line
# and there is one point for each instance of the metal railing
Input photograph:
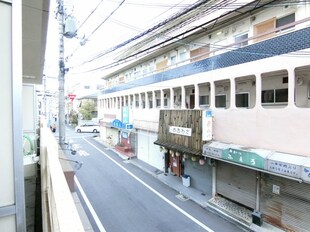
x,y
59,212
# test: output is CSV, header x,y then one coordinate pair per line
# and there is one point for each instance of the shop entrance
x,y
175,164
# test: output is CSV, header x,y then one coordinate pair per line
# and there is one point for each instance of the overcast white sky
x,y
130,19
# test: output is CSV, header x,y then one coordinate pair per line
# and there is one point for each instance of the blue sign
x,y
125,115
209,114
120,125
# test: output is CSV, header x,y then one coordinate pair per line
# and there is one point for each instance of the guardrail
x,y
58,209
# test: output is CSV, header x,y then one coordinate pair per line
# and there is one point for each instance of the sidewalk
x,y
84,219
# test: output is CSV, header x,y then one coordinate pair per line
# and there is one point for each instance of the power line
x,y
155,5
170,38
86,39
230,6
199,4
89,15
106,19
157,26
122,23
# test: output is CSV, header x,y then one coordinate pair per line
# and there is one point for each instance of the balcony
x,y
59,212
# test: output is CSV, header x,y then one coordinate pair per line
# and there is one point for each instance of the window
x,y
151,67
220,101
285,20
173,60
183,56
242,100
268,96
281,95
240,38
165,102
275,96
150,104
157,102
204,100
200,53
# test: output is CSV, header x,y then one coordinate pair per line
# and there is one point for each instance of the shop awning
x,y
286,164
178,147
276,163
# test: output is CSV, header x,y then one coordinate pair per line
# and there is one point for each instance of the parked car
x,y
87,127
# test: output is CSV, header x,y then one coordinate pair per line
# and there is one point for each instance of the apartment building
x,y
222,93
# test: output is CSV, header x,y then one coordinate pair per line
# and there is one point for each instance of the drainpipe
x,y
213,181
257,190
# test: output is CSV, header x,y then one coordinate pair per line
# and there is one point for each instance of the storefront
x,y
147,152
285,202
180,140
200,172
236,183
273,183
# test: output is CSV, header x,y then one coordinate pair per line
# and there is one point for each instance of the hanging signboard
x,y
180,130
214,149
125,115
286,164
116,123
244,157
207,125
305,171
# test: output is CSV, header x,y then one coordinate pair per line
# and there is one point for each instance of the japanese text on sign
x,y
180,130
284,168
244,157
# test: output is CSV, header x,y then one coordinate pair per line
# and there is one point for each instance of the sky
x,y
105,24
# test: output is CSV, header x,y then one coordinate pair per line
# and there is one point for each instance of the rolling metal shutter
x,y
285,203
236,183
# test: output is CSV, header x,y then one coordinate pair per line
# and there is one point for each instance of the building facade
x,y
246,65
23,34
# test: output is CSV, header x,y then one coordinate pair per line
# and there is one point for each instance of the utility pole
x,y
61,77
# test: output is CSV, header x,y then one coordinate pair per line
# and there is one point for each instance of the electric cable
x,y
120,23
89,15
162,23
120,4
161,43
152,47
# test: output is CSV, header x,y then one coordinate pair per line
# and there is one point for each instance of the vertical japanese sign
x,y
125,115
207,125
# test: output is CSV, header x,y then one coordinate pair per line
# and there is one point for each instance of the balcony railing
x,y
58,209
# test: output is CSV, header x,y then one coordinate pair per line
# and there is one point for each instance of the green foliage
x,y
87,108
73,117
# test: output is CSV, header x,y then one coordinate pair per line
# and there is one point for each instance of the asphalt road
x,y
120,197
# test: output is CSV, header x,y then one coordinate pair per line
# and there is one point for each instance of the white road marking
x,y
83,153
90,207
154,191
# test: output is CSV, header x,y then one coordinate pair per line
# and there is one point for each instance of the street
x,y
118,196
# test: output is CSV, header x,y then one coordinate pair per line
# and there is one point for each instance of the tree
x,y
73,117
87,108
